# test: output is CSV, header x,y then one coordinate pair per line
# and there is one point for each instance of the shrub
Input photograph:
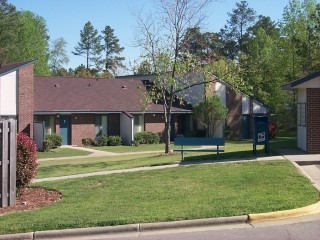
x,y
27,160
101,140
273,130
146,138
47,145
55,139
87,141
114,141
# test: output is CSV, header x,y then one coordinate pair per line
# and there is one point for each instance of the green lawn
x,y
233,150
62,152
189,192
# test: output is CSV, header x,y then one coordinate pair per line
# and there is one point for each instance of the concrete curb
x,y
130,228
298,212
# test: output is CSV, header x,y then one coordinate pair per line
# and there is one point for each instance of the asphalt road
x,y
302,228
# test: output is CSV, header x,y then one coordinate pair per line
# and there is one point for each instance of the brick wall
x,y
313,123
25,100
234,118
82,127
154,123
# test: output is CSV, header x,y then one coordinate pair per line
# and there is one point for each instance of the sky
x,y
66,18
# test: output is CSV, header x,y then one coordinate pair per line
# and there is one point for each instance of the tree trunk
x,y
167,117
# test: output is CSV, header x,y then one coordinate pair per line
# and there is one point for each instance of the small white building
x,y
308,111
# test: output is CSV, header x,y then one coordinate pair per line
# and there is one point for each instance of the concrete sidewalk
x,y
307,164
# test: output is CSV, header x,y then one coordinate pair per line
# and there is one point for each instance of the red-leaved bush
x,y
273,130
27,159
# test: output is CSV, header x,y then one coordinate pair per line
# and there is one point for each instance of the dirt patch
x,y
32,198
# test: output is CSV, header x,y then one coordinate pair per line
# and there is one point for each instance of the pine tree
x,y
112,50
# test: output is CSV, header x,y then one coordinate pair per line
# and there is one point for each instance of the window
x,y
49,122
136,120
101,124
301,114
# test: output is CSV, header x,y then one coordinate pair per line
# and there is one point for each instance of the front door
x,y
65,129
245,126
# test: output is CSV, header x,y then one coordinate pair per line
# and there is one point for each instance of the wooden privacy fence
x,y
8,158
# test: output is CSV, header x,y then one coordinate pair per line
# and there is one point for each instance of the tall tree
x,y
160,36
58,55
9,21
204,46
299,43
112,49
232,35
32,42
89,45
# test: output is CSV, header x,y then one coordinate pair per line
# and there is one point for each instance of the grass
x,y
62,152
124,149
190,192
233,150
85,165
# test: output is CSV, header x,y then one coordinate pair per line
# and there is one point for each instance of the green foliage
x,y
101,140
89,45
146,138
8,24
32,42
210,113
27,160
112,50
58,55
114,140
87,141
54,139
47,145
232,35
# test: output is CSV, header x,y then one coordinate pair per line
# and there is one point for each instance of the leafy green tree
x,y
210,114
300,41
32,42
89,45
204,46
143,68
58,55
9,21
112,50
232,35
160,36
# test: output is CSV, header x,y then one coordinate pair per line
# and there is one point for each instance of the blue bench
x,y
199,142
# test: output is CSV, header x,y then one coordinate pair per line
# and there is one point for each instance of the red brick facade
x,y
25,100
234,118
154,123
82,126
313,123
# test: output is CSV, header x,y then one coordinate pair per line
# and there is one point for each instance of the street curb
x,y
130,228
298,212
193,223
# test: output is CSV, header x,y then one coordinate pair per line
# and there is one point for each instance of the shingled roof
x,y
73,94
5,69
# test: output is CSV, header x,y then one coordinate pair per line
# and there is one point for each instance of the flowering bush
x,y
273,130
27,160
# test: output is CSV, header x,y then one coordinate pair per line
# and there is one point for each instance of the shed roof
x,y
300,81
73,94
5,69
